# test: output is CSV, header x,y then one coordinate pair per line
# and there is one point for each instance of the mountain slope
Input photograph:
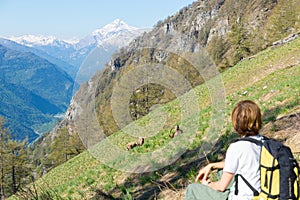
x,y
33,91
275,89
228,37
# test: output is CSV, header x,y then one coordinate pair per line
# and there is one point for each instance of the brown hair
x,y
246,118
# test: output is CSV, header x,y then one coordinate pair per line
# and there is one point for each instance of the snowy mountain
x,y
117,33
101,44
50,45
33,40
71,70
97,48
116,29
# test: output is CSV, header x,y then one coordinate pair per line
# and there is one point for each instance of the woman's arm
x,y
204,172
218,165
222,184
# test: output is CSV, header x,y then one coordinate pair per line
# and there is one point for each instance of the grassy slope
x,y
271,79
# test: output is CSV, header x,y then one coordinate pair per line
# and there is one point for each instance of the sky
x,y
68,19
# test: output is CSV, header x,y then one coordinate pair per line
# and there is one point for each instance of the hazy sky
x,y
77,18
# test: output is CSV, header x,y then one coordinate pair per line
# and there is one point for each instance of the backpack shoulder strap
x,y
236,177
252,140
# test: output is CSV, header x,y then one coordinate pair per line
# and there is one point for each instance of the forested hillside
x,y
33,91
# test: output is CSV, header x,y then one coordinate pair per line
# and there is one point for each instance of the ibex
x,y
139,142
177,132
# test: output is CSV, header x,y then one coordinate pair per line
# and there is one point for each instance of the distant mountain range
x,y
38,74
100,44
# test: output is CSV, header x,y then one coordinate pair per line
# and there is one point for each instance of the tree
x,y
76,145
18,164
3,157
217,48
14,163
239,40
64,147
59,148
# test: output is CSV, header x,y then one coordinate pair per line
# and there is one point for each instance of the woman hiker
x,y
241,158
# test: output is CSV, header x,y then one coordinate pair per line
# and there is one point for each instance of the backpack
x,y
279,172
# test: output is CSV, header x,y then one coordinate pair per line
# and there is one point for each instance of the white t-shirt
x,y
243,158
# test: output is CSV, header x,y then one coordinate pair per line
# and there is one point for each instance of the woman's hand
x,y
206,182
203,173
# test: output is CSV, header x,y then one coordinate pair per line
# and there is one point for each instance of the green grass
x,y
271,79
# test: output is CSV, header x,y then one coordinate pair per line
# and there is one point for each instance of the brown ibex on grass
x,y
177,132
139,142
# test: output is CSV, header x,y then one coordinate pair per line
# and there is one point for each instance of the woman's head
x,y
246,118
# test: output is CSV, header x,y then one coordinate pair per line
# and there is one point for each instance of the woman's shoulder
x,y
240,144
257,137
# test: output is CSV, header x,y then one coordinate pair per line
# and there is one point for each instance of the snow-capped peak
x,y
72,41
116,33
113,28
31,40
107,34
